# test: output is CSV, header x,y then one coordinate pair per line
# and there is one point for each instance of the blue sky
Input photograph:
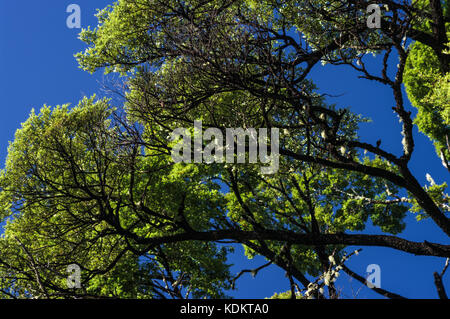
x,y
37,67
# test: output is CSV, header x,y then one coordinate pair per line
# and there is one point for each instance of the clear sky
x,y
37,67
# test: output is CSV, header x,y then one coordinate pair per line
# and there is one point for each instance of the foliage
x,y
96,186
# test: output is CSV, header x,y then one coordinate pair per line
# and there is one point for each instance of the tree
x,y
427,83
96,185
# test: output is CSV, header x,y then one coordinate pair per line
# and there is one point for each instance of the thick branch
x,y
425,248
